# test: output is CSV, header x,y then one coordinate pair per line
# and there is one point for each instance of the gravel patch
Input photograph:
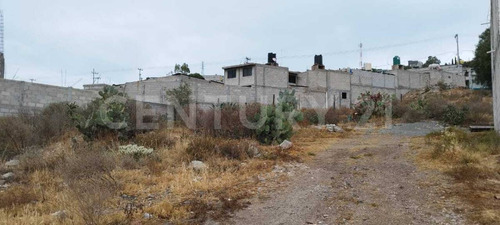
x,y
414,129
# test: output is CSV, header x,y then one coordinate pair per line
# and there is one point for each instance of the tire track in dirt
x,y
367,179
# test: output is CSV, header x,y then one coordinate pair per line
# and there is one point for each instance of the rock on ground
x,y
59,214
12,163
198,166
8,176
286,145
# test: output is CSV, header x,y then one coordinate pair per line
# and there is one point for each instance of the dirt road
x,y
367,179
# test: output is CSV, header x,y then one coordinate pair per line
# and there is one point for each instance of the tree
x,y
431,60
482,59
183,69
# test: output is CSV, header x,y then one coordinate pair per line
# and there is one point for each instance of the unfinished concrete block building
x,y
315,88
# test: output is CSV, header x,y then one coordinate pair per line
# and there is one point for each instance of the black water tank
x,y
270,57
318,60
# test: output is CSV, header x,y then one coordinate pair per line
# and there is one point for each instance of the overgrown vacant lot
x,y
73,181
70,168
473,160
451,106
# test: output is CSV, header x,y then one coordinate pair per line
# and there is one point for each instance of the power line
x,y
140,73
203,64
95,77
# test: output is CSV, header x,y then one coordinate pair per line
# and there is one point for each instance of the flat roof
x,y
240,65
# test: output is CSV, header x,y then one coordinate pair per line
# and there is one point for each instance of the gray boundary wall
x,y
20,95
314,89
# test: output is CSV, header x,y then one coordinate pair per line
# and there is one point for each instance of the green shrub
x,y
106,114
278,120
454,116
276,128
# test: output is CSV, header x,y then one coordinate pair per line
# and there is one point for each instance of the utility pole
x,y
495,62
140,74
95,77
458,50
202,68
361,56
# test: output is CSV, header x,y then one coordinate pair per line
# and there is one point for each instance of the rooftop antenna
x,y
32,80
2,58
361,55
458,50
247,59
140,73
95,77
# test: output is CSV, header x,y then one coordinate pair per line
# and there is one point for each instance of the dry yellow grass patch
x,y
161,185
471,159
309,141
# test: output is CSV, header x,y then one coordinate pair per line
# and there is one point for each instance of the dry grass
x,y
309,141
477,106
94,184
473,160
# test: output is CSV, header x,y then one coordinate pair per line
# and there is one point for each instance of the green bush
x,y
106,114
278,120
454,116
276,128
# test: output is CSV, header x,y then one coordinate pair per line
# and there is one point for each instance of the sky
x,y
60,42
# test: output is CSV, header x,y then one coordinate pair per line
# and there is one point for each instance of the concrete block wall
x,y
357,90
262,75
20,95
370,79
272,76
